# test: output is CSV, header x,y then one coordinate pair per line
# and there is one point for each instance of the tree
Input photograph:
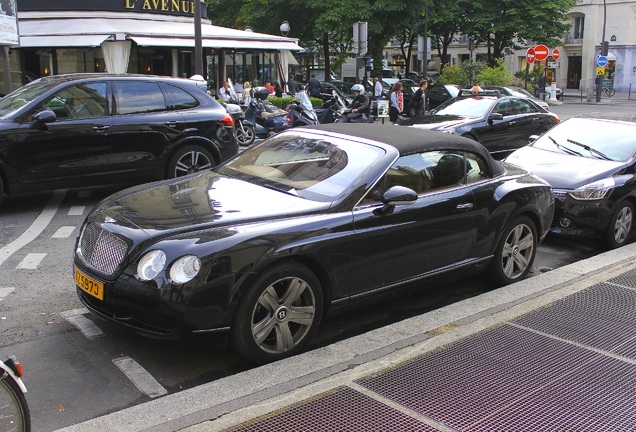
x,y
505,25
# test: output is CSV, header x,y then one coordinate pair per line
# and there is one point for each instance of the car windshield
x,y
603,138
519,92
466,107
22,96
315,168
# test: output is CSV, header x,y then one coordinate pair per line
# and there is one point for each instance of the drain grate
x,y
602,316
627,279
464,383
342,410
597,397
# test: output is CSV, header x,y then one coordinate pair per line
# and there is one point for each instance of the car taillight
x,y
227,120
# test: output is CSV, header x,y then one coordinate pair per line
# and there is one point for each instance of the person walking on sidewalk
x,y
377,88
396,104
418,105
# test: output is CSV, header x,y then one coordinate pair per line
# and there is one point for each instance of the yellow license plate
x,y
89,285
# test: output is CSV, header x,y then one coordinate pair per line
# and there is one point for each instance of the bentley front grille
x,y
101,250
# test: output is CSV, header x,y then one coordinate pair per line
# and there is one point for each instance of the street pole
x,y
198,44
599,78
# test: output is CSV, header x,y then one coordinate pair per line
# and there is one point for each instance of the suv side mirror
x,y
41,118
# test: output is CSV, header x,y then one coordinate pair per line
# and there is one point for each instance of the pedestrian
x,y
292,86
269,87
396,102
224,92
543,79
278,91
377,88
314,87
247,93
418,105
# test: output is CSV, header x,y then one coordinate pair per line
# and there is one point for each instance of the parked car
x,y
310,221
439,93
328,87
590,162
501,123
389,76
519,92
77,130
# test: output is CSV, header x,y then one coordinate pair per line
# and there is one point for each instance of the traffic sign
x,y
530,54
556,54
600,70
541,52
601,61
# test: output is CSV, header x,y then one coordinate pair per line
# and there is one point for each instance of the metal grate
x,y
342,410
627,279
101,250
602,316
598,396
462,384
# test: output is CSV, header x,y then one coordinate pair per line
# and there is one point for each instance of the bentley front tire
x,y
279,313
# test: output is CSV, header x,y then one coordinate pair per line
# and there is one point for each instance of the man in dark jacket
x,y
314,87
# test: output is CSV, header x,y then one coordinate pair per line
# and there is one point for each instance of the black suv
x,y
93,129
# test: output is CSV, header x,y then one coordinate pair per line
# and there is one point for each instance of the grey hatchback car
x,y
77,130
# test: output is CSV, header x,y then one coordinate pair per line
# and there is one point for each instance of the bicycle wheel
x,y
14,411
611,92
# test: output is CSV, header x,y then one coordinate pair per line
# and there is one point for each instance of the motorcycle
x,y
300,111
243,130
332,109
14,411
265,117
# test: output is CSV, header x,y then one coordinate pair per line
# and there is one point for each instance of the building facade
x,y
576,67
140,36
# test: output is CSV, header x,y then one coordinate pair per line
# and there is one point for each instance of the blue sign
x,y
601,61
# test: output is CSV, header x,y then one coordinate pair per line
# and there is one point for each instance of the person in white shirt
x,y
224,92
377,88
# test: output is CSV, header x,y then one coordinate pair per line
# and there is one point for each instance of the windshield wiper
x,y
591,150
565,149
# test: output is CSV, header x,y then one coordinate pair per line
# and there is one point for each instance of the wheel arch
x,y
315,267
198,141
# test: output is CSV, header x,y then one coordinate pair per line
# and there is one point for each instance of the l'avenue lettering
x,y
180,6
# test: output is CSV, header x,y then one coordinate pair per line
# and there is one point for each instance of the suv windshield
x,y
22,96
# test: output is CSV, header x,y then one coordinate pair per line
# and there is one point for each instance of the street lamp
x,y
284,28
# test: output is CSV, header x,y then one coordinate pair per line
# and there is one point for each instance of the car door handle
x,y
465,206
512,122
101,128
172,123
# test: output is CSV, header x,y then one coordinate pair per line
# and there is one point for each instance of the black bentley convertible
x,y
310,221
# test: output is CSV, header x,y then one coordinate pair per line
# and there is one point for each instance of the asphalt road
x,y
78,367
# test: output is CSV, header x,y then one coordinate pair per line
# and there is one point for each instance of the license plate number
x,y
89,285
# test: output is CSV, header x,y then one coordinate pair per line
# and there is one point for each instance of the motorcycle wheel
x,y
245,135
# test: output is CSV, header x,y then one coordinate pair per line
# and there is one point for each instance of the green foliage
x,y
454,75
495,75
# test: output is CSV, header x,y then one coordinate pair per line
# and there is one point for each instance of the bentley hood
x,y
437,122
204,200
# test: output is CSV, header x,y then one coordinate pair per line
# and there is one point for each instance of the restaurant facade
x,y
140,36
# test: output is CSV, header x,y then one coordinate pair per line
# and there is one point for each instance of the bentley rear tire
x,y
515,252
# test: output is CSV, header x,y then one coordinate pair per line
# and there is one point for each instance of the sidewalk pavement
x,y
554,352
575,96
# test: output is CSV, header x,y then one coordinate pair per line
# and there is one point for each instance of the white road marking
x,y
36,227
83,324
64,232
31,261
5,291
76,210
140,377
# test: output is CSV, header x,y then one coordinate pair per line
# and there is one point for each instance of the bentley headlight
x,y
151,265
185,269
594,191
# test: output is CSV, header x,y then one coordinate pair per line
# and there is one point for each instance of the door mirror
x,y
42,117
495,116
399,195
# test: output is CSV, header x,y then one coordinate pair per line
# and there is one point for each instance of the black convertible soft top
x,y
410,140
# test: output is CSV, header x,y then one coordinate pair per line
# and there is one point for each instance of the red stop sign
x,y
541,52
530,55
556,54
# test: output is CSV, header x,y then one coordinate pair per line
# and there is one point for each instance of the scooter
x,y
300,111
331,110
266,114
